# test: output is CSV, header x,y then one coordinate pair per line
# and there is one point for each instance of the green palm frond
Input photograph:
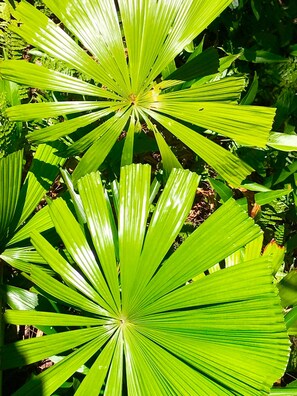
x,y
19,200
144,325
124,47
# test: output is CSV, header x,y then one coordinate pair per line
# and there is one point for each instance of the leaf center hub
x,y
133,99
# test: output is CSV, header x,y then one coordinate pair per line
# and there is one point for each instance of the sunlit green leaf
x,y
102,228
169,160
226,164
282,141
165,334
121,48
226,119
38,76
97,153
76,244
10,180
37,318
32,350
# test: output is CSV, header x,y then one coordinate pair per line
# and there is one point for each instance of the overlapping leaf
x,y
148,325
18,201
124,71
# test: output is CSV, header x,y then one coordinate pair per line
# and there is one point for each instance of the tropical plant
x,y
18,200
127,50
24,179
145,320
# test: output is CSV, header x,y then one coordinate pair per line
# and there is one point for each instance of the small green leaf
x,y
263,198
262,56
221,188
19,299
282,141
277,254
291,321
202,65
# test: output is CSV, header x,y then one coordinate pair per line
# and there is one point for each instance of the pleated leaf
x,y
248,125
169,160
57,43
134,197
40,222
103,143
62,267
100,18
167,220
56,131
223,161
121,47
56,375
77,245
225,90
38,76
220,334
229,224
97,374
10,181
42,172
32,350
19,201
102,228
37,318
33,111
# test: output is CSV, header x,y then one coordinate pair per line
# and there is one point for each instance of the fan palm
x,y
19,199
143,326
122,48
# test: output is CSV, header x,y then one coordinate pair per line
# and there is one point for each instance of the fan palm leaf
x,y
144,325
124,46
19,200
